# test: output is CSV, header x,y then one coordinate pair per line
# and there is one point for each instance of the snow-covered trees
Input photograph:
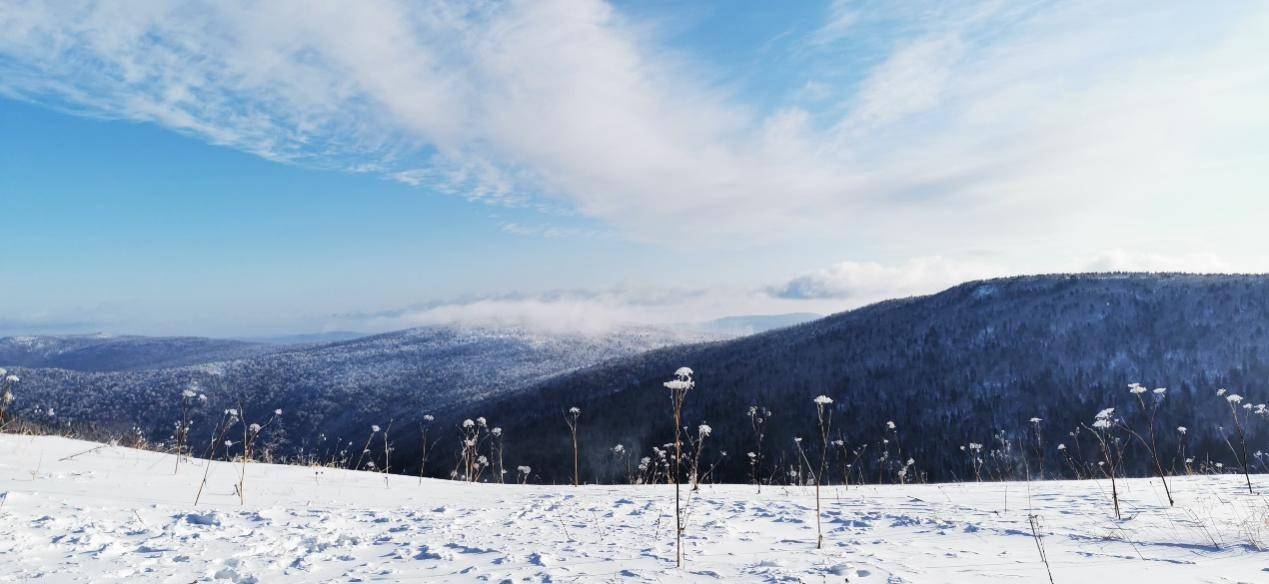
x,y
7,381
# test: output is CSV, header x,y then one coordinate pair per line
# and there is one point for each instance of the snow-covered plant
x,y
424,425
1066,455
904,471
495,453
702,432
621,457
250,433
1233,400
1182,435
468,461
850,461
1151,411
825,415
1039,443
758,417
523,473
974,451
374,429
804,464
571,417
1103,424
188,398
892,432
226,422
679,386
387,454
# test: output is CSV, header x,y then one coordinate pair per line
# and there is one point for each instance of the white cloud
x,y
869,281
984,122
1120,260
912,80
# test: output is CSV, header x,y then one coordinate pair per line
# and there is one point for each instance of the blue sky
x,y
238,169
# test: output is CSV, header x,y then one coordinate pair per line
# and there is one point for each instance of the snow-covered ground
x,y
74,511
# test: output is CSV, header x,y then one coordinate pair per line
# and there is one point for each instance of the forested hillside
x,y
971,364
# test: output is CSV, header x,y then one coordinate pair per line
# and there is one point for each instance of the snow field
x,y
74,511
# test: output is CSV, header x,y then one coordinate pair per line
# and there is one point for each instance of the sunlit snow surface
x,y
115,514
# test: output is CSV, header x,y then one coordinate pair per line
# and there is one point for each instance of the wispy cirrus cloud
x,y
997,117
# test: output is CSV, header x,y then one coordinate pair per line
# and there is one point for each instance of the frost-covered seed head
x,y
683,372
3,371
374,428
469,423
751,455
618,449
1136,388
797,439
428,417
277,412
524,469
1222,391
704,430
481,422
1061,447
188,394
823,400
1182,429
890,425
1105,414
231,413
12,378
574,411
1036,420
202,398
1160,390
255,428
496,431
1234,398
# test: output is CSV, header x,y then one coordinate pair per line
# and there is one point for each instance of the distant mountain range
x,y
332,389
104,352
971,364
